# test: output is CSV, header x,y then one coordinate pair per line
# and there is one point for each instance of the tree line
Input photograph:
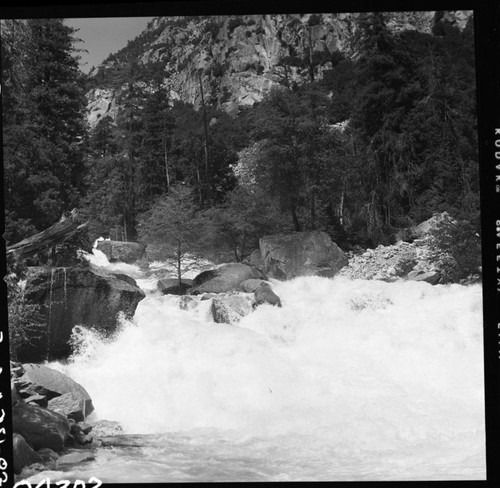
x,y
384,139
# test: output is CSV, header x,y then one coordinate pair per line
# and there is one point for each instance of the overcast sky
x,y
103,36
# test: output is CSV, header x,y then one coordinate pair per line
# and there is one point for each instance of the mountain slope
x,y
232,61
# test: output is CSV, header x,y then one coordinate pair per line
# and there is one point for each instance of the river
x,y
349,380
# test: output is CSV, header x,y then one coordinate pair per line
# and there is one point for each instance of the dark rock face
x,y
285,256
170,286
75,296
125,252
225,278
23,454
40,427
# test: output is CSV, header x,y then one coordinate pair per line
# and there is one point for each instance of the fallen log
x,y
66,227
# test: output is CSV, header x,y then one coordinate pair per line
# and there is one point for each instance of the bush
x,y
26,321
460,241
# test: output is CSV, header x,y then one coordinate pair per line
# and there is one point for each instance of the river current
x,y
350,380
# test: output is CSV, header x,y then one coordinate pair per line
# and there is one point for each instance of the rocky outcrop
x,y
58,391
170,286
225,278
423,229
75,296
39,426
286,256
121,251
238,59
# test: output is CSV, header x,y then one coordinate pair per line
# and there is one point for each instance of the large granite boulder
x,y
121,251
62,392
40,427
224,278
23,453
285,256
75,296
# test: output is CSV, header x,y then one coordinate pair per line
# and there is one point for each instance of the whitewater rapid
x,y
350,379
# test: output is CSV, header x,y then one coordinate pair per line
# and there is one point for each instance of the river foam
x,y
377,379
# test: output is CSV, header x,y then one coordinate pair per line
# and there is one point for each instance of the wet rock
x,y
23,453
249,286
170,286
75,458
104,428
285,256
47,454
187,302
121,251
225,278
40,427
431,277
264,294
75,296
230,309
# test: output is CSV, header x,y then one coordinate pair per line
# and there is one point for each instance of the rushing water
x,y
349,380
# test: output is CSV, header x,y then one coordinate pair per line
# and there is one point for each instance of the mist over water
x,y
350,379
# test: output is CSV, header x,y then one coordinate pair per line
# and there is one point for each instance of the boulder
x,y
40,427
75,296
249,286
230,309
264,294
423,229
121,251
104,428
65,393
254,259
170,286
285,256
431,277
23,454
70,404
225,278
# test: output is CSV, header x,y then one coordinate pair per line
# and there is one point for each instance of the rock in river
x,y
75,296
225,278
285,256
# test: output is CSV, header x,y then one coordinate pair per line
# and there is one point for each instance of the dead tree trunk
x,y
66,227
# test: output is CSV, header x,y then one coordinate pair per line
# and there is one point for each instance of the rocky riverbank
x,y
50,421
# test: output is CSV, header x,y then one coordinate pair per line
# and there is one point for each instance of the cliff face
x,y
233,60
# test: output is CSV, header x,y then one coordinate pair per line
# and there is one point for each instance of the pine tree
x,y
43,150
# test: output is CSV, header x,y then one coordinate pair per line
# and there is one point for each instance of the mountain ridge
x,y
233,61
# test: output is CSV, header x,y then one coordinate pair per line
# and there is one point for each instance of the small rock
x,y
105,428
47,454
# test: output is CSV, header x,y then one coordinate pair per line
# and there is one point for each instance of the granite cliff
x,y
232,61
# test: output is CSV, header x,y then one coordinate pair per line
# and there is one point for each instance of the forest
x,y
386,138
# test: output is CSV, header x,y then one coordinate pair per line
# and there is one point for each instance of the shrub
x,y
460,241
26,321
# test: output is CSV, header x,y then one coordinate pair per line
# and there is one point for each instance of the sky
x,y
103,36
